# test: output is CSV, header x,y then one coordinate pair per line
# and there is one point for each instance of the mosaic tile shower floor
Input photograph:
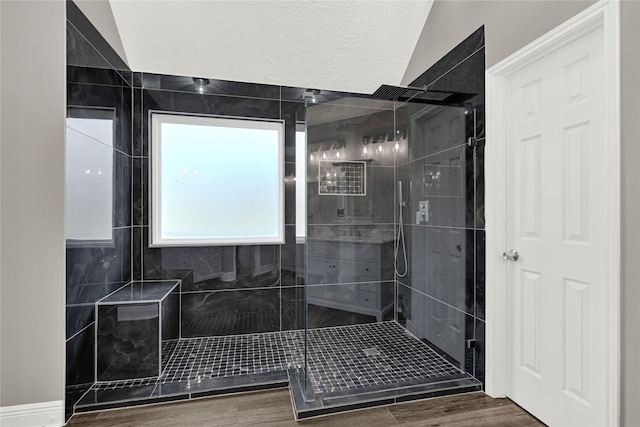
x,y
342,361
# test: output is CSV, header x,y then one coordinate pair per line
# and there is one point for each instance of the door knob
x,y
510,255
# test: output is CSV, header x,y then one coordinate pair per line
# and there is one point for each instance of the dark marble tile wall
x,y
97,79
263,291
441,298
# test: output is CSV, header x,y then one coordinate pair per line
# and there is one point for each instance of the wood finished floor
x,y
273,408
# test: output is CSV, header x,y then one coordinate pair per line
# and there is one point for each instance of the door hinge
x,y
472,344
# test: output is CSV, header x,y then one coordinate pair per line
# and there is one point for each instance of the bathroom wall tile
x,y
290,194
136,249
125,121
84,26
215,105
289,112
92,75
478,103
433,129
292,308
255,266
441,261
288,254
137,79
466,80
138,122
215,87
230,312
440,325
90,95
137,195
480,186
470,185
88,293
80,53
450,60
113,97
297,94
445,180
80,353
170,307
78,317
480,281
128,341
479,351
122,190
103,264
319,316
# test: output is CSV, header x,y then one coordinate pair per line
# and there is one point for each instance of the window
x,y
216,181
89,177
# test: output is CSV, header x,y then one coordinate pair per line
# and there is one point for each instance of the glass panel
x,y
389,259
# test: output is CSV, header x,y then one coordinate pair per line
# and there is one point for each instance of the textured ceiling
x,y
351,46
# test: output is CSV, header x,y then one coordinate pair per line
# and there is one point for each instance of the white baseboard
x,y
46,414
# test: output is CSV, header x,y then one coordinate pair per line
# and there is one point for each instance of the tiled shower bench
x,y
133,326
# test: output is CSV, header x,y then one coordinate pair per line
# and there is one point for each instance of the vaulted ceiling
x,y
352,46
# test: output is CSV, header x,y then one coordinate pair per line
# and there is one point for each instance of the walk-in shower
x,y
378,298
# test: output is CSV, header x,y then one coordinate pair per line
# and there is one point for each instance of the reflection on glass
x,y
89,177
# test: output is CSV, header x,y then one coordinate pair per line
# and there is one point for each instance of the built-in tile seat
x,y
134,325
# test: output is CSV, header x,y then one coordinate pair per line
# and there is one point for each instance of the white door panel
x,y
557,290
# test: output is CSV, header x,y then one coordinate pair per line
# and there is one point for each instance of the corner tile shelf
x,y
133,323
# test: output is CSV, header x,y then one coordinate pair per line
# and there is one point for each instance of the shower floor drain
x,y
371,351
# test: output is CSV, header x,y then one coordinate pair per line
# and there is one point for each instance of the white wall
x,y
101,16
509,26
32,119
630,181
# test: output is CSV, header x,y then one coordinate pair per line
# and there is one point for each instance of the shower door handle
x,y
510,255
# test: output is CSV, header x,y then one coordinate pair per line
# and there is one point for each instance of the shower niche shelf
x,y
342,178
133,326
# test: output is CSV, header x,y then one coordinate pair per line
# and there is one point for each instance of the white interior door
x,y
557,303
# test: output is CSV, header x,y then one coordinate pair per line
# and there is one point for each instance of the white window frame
x,y
156,119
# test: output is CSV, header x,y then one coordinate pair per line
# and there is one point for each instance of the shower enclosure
x,y
389,268
375,296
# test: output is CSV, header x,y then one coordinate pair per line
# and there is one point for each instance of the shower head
x,y
395,92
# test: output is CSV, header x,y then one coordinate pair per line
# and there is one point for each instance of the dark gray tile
x,y
433,129
445,328
138,198
136,248
480,282
102,264
293,308
93,75
80,354
290,194
458,54
446,181
214,104
170,307
230,312
84,27
479,351
466,80
128,341
214,87
122,190
441,261
78,317
479,186
138,123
